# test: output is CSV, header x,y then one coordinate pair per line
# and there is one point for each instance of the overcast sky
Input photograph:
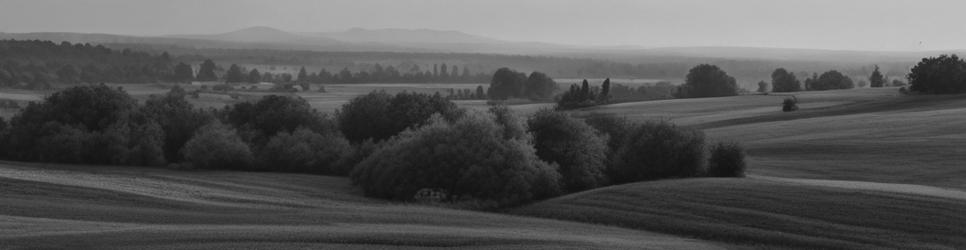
x,y
823,24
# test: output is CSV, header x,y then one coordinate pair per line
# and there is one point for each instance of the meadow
x,y
853,169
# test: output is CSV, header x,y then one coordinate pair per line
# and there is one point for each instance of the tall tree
x,y
183,73
784,81
303,75
254,76
206,72
708,80
234,74
605,90
876,80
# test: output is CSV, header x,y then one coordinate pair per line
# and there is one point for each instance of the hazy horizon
x,y
831,25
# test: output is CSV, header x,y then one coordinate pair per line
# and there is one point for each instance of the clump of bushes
x,y
379,115
789,105
656,150
945,74
576,147
727,160
305,151
216,146
470,160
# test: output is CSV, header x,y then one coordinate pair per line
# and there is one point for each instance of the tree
x,y
784,81
727,160
876,80
572,144
539,86
275,113
177,119
216,146
254,76
467,161
480,93
506,83
303,76
305,151
762,87
366,117
707,80
234,74
656,150
183,73
604,90
832,80
206,73
939,75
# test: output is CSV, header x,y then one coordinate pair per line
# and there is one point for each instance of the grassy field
x,y
770,213
97,207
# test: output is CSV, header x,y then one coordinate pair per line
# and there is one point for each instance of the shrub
x,y
784,81
215,146
177,118
274,113
576,147
656,150
379,116
469,160
727,160
304,151
938,75
789,104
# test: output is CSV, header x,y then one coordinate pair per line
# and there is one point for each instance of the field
x,y
856,169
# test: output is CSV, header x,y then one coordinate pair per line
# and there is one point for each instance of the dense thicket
x,y
217,146
469,160
38,64
379,115
177,118
577,148
830,80
272,114
707,80
784,81
507,83
305,151
727,160
945,74
654,150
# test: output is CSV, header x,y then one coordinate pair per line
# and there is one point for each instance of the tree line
x,y
393,146
209,71
38,64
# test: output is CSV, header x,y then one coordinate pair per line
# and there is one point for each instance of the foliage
x,y
707,80
876,80
945,74
656,150
273,114
38,64
576,147
206,72
507,83
379,116
789,104
304,151
234,74
831,80
539,86
183,73
727,160
784,81
177,118
469,160
216,146
762,87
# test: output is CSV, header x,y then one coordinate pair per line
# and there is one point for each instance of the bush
x,y
379,116
215,146
469,161
789,104
707,80
727,160
274,113
576,147
938,75
656,150
304,151
831,80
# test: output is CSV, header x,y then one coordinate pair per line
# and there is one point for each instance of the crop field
x,y
56,206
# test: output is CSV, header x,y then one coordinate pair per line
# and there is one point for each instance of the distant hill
x,y
406,36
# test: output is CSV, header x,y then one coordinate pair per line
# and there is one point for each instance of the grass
x,y
59,206
762,213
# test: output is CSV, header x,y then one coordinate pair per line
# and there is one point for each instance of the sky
x,y
879,25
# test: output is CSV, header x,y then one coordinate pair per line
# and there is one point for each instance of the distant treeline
x,y
38,64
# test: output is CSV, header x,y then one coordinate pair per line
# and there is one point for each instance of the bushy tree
x,y
177,118
254,76
206,72
945,74
832,80
183,73
790,104
379,116
762,87
506,83
576,147
707,80
234,74
727,160
468,161
216,146
305,151
876,80
539,86
784,81
273,114
656,150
